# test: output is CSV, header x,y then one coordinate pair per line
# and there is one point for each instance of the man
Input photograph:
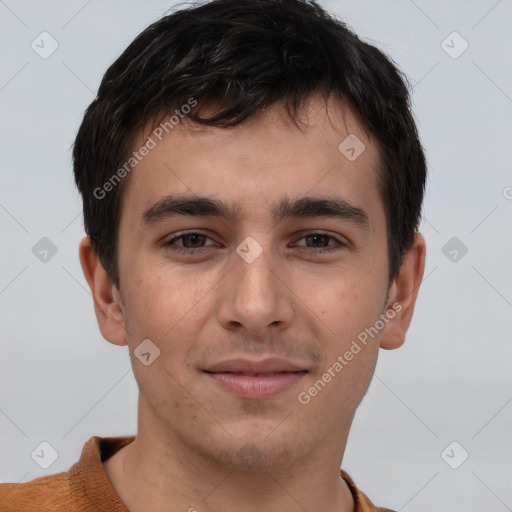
x,y
252,182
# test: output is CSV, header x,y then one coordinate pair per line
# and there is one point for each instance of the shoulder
x,y
361,500
41,494
85,487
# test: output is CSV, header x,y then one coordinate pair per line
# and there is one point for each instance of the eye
x,y
192,242
316,241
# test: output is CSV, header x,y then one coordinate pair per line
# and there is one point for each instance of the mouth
x,y
256,380
248,367
256,374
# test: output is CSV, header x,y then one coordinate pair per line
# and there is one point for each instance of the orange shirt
x,y
86,487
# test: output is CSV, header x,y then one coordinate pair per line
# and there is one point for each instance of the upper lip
x,y
273,365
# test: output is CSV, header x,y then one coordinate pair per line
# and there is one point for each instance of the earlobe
x,y
107,301
403,294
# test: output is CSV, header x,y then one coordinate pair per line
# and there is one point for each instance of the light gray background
x,y
60,382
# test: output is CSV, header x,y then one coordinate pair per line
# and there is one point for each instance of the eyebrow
x,y
304,207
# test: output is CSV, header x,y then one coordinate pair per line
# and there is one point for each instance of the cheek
x,y
346,300
162,299
170,309
348,307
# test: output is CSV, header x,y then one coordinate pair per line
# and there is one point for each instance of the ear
x,y
402,295
108,305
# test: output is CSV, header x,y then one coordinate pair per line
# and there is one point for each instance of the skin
x,y
290,302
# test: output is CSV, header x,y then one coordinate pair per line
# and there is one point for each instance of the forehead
x,y
266,155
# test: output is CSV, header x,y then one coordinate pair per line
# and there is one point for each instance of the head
x,y
229,122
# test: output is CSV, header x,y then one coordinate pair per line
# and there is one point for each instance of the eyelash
x,y
182,250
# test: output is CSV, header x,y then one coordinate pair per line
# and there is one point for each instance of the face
x,y
263,275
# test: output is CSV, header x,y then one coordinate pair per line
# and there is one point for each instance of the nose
x,y
255,297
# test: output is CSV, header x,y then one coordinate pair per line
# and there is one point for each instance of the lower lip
x,y
254,387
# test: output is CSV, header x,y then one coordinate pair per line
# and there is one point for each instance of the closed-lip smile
x,y
256,380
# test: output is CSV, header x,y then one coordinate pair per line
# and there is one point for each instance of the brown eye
x,y
195,240
191,243
321,243
317,240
